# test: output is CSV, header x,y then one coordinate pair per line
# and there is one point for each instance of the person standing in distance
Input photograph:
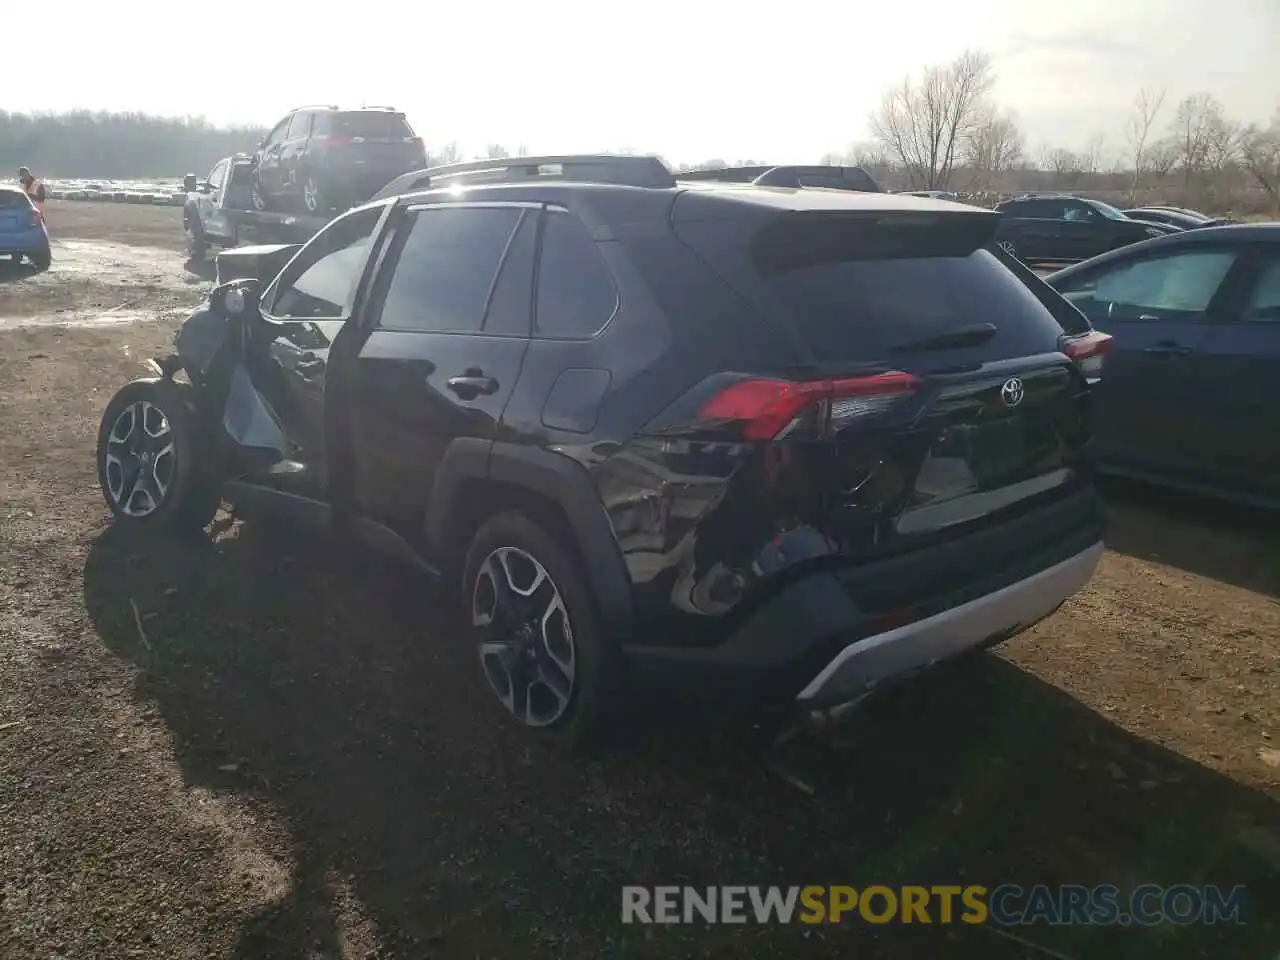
x,y
33,187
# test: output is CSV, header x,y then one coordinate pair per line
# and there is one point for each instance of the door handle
x,y
472,385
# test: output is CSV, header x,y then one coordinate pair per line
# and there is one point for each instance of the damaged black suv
x,y
759,437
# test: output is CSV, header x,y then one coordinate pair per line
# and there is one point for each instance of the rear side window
x,y
865,310
370,124
446,269
576,296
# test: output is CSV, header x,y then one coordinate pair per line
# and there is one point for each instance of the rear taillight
x,y
36,219
764,409
1089,351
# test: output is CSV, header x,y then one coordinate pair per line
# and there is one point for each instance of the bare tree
x,y
1161,157
1146,106
994,148
1198,126
1260,154
446,154
924,126
1062,163
1091,159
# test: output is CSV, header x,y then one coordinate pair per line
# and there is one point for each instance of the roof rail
x,y
315,106
822,175
625,170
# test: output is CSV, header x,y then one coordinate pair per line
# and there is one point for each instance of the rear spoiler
x,y
809,238
832,178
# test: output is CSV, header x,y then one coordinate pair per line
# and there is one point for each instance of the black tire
x,y
42,258
197,246
191,494
589,719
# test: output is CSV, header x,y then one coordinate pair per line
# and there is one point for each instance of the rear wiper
x,y
973,336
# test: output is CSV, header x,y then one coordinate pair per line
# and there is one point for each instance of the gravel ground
x,y
251,746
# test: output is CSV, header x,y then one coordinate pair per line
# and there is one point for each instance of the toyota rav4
x,y
774,440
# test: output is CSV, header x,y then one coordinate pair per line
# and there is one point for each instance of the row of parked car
x,y
764,432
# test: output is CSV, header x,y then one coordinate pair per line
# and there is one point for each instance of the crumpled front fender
x,y
248,418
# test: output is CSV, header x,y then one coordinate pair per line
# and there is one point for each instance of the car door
x,y
1158,306
209,194
448,327
306,310
212,214
292,149
1042,230
269,176
1241,372
1084,231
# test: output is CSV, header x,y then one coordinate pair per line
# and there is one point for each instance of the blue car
x,y
1189,397
22,231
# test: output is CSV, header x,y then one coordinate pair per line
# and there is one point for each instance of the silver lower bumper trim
x,y
904,649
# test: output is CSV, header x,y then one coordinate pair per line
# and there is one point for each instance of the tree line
x,y
84,144
940,130
943,130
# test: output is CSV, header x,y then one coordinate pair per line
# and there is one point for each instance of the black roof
x,y
618,189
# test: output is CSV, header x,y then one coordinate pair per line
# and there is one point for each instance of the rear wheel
x,y
313,198
536,633
151,467
42,258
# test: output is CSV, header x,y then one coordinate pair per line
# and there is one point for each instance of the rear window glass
x,y
376,125
860,310
13,198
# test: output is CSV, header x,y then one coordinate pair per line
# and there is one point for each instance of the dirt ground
x,y
251,746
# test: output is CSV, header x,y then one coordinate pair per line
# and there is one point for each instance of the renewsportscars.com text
x,y
1005,905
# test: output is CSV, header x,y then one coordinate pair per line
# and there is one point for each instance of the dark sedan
x,y
1175,217
1189,396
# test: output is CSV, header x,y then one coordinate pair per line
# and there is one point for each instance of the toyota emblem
x,y
1012,392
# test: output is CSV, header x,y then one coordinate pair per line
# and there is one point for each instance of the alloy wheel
x,y
526,646
139,459
310,194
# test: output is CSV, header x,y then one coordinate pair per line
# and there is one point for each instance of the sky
x,y
782,82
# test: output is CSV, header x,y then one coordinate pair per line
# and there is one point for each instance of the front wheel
x,y
536,633
151,468
197,246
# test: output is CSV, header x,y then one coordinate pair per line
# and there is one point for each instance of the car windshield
x,y
1107,210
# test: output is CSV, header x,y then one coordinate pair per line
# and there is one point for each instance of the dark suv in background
x,y
1061,228
779,442
319,159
